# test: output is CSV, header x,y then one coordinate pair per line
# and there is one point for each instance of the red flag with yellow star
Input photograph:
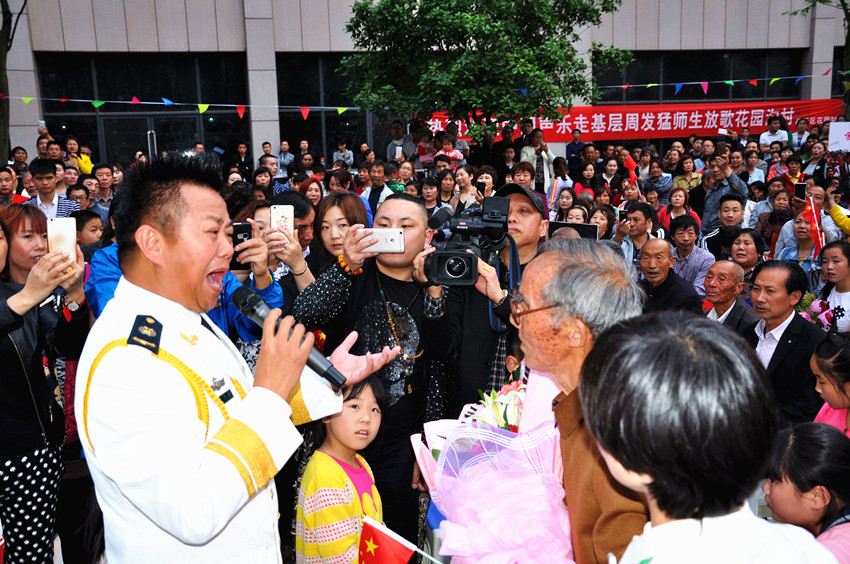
x,y
379,545
812,216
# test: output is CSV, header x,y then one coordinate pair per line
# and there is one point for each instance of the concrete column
x,y
826,22
23,118
262,75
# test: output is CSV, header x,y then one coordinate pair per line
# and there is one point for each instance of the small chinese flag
x,y
379,545
812,215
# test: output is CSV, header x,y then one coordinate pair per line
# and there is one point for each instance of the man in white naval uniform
x,y
182,442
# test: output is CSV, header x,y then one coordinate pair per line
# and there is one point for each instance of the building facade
x,y
278,57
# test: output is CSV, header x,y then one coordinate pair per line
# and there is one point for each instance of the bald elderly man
x,y
665,290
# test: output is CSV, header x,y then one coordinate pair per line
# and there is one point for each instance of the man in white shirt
x,y
47,200
182,442
772,134
784,341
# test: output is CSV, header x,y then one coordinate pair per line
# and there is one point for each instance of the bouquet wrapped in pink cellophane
x,y
502,503
500,490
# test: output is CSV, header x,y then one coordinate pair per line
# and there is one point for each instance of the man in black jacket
x,y
783,340
665,290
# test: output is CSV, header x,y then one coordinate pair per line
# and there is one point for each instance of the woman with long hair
x,y
835,264
31,420
566,200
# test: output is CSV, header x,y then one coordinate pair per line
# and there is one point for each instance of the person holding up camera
x,y
460,319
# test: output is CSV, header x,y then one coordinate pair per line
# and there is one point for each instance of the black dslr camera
x,y
482,230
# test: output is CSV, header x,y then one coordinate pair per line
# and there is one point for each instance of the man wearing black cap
x,y
461,320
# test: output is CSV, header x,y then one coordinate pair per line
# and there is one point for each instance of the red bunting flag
x,y
135,100
64,99
241,111
704,87
379,545
305,111
754,82
812,215
625,86
829,70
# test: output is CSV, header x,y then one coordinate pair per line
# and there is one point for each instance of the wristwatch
x,y
71,306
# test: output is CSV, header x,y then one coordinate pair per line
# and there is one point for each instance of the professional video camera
x,y
482,230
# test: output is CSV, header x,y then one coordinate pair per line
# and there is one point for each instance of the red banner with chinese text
x,y
652,121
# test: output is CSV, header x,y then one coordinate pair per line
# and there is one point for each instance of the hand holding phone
x,y
241,233
62,235
283,217
389,241
800,190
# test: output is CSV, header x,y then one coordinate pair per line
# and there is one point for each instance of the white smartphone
x,y
398,152
283,217
389,241
62,235
723,131
41,124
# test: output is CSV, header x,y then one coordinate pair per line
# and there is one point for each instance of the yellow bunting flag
x,y
340,110
203,107
27,100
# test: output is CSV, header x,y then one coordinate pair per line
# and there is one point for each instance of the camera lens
x,y
456,267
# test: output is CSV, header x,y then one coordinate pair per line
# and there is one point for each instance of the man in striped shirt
x,y
47,200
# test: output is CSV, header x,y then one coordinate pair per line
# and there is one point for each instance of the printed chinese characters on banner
x,y
670,120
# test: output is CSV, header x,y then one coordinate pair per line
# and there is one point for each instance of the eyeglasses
x,y
79,198
516,314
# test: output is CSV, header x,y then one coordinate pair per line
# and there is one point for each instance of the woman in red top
x,y
678,206
587,181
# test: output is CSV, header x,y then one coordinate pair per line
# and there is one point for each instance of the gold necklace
x,y
405,357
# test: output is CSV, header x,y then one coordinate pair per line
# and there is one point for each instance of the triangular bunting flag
x,y
846,84
341,111
2,96
135,100
97,103
167,102
829,70
652,84
524,91
796,82
772,80
625,86
729,82
754,82
678,87
27,100
305,111
64,99
203,107
241,111
704,87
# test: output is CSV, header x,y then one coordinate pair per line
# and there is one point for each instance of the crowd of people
x,y
149,416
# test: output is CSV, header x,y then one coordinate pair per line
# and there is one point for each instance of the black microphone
x,y
250,304
441,216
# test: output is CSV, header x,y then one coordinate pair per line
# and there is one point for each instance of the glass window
x,y
84,128
691,66
225,130
644,70
351,125
224,78
298,79
783,63
120,77
746,66
65,75
293,127
334,82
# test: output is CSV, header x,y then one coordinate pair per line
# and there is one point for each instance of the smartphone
x,y
62,235
800,190
482,187
398,152
722,131
283,217
241,233
389,241
41,124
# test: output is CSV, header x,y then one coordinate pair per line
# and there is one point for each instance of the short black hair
x,y
82,217
686,401
407,198
758,239
730,197
389,169
265,158
236,197
377,163
642,207
442,159
150,194
99,166
683,222
77,188
301,204
796,281
43,167
294,168
794,159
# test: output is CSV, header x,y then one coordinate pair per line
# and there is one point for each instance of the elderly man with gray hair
x,y
723,286
665,290
569,295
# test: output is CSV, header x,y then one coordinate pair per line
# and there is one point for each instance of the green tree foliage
x,y
474,59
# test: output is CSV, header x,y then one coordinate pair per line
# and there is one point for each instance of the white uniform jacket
x,y
182,450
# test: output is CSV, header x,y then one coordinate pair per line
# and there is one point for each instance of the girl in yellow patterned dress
x,y
338,487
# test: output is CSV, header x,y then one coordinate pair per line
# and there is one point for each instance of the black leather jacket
x,y
30,417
